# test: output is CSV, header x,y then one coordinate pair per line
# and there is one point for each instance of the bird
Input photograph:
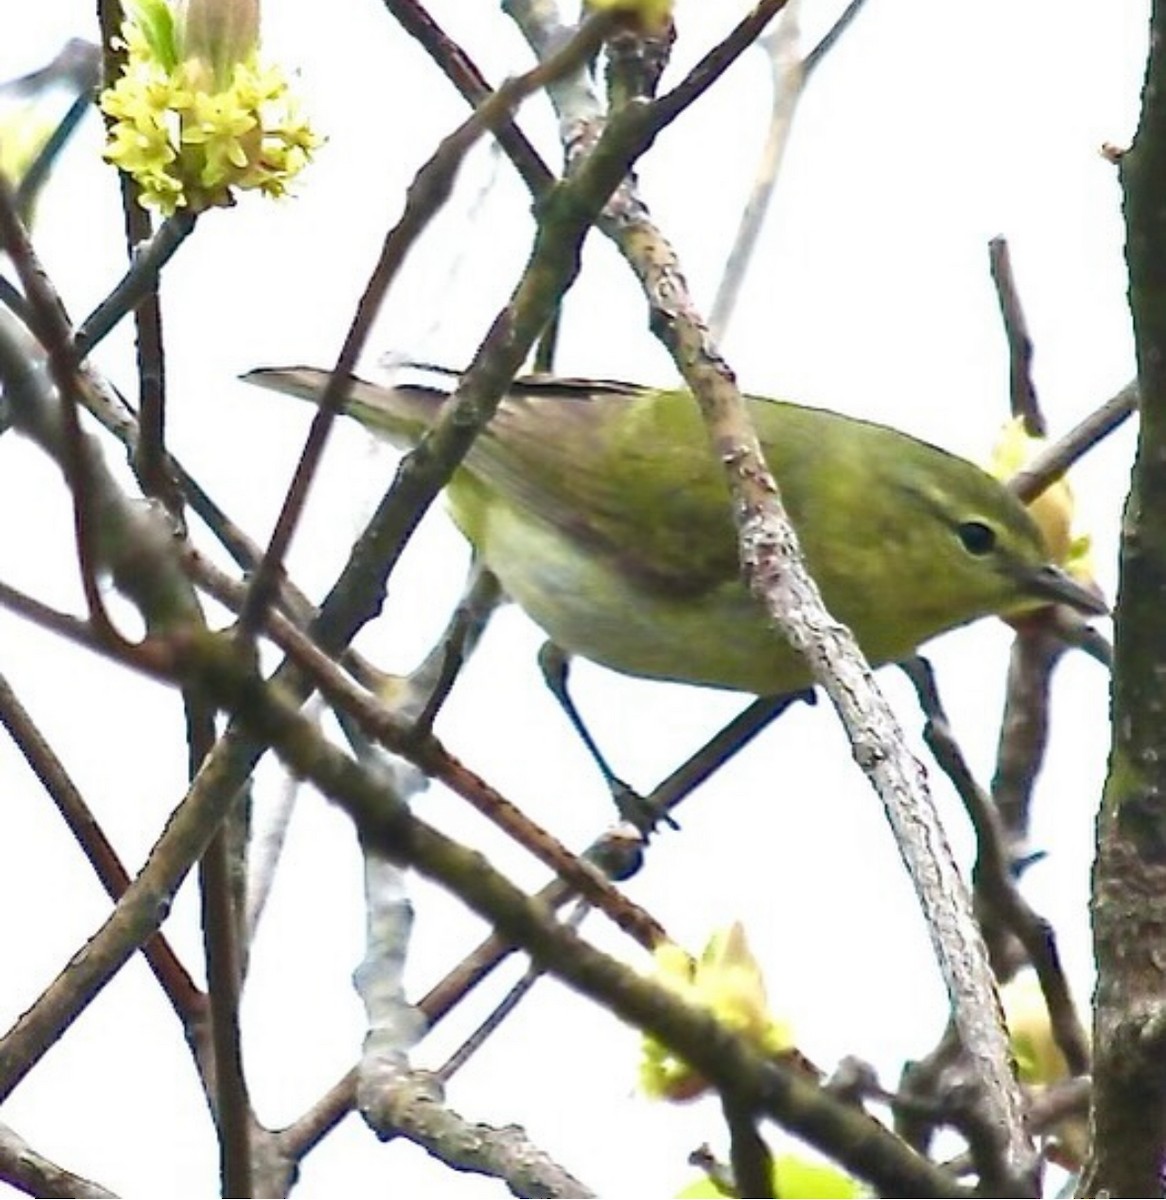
x,y
605,515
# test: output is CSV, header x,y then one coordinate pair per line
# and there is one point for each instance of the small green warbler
x,y
602,511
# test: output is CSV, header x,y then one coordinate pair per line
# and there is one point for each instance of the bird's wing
x,y
627,471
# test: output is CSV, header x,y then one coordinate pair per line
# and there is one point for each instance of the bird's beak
x,y
1052,584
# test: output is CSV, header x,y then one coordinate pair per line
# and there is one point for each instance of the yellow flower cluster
x,y
1053,510
190,141
727,981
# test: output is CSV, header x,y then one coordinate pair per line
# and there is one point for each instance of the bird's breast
x,y
593,606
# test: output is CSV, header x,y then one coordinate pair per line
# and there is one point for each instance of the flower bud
x,y
727,981
220,34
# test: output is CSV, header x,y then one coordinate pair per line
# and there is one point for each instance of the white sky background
x,y
929,129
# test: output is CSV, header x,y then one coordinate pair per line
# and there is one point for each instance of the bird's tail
x,y
401,414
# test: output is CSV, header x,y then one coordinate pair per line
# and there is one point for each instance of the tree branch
x,y
1129,882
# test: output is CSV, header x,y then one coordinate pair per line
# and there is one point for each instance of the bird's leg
x,y
555,664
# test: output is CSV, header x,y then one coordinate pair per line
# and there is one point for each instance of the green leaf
x,y
155,19
800,1177
794,1178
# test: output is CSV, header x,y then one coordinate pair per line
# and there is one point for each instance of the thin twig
x,y
737,734
266,850
1054,460
503,1009
1024,726
186,1000
152,459
65,625
1021,390
463,72
231,592
492,1023
137,283
428,687
789,77
994,878
224,958
715,63
814,59
311,1127
749,1156
787,81
51,325
138,292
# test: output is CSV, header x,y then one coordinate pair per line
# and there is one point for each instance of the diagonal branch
x,y
26,1170
186,1000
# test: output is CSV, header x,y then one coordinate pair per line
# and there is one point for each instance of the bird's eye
x,y
976,537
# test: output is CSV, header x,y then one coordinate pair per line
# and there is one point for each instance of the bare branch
x,y
1129,878
185,998
1021,389
414,1107
749,1156
138,283
995,882
787,79
462,71
51,326
1054,460
22,1168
